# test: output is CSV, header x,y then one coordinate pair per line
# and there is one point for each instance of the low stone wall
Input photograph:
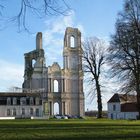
x,y
39,118
7,118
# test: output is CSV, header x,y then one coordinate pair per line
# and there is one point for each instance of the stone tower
x,y
72,56
35,67
63,86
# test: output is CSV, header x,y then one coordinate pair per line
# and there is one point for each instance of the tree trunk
x,y
99,99
138,105
138,100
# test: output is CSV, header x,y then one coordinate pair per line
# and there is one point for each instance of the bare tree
x,y
93,61
125,48
24,8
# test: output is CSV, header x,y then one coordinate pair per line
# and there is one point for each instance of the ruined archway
x,y
56,108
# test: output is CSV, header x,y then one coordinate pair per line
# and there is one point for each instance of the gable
x,y
114,98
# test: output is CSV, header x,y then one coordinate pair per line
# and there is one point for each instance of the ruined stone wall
x,y
69,79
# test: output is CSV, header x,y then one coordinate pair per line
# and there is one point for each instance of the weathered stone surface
x,y
69,79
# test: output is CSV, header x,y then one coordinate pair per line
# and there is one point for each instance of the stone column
x,y
50,108
39,41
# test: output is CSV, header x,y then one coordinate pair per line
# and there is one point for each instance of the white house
x,y
20,105
122,106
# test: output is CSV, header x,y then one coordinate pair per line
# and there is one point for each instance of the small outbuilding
x,y
122,106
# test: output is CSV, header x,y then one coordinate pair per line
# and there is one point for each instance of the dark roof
x,y
18,94
122,98
129,107
114,98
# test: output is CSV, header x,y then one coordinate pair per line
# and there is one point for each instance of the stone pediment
x,y
55,67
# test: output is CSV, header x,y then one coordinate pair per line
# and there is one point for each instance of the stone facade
x,y
20,105
55,84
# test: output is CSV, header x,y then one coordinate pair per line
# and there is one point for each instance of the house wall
x,y
113,110
117,114
5,108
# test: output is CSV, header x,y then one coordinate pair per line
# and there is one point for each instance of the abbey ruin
x,y
44,86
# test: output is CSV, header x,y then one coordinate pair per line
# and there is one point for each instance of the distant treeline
x,y
94,113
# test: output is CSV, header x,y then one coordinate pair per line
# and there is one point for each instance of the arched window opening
x,y
55,86
72,41
33,63
56,108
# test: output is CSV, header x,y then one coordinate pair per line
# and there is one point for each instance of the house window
x,y
31,111
111,116
14,101
14,112
8,112
8,101
31,101
114,107
40,102
37,112
37,101
23,111
23,101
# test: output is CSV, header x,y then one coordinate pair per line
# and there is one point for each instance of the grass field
x,y
89,129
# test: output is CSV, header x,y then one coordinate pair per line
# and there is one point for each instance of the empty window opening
x,y
55,86
50,85
33,63
56,108
63,85
72,41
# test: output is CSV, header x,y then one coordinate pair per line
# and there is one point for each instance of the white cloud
x,y
10,75
54,34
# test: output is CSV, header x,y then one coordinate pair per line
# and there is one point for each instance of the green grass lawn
x,y
90,129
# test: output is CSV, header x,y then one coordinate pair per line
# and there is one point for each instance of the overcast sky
x,y
92,17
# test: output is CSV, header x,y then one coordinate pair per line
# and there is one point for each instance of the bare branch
x,y
94,59
125,48
40,9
